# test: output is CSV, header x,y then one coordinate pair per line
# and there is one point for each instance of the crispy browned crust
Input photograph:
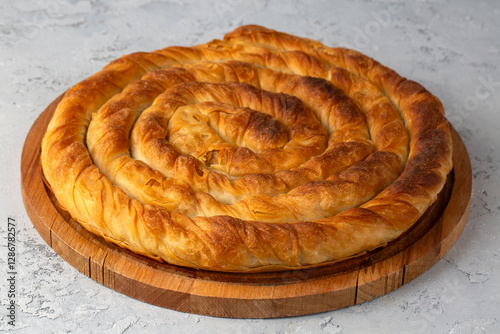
x,y
263,151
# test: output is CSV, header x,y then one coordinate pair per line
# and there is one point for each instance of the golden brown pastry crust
x,y
263,151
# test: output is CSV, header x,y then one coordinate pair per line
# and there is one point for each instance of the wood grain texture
x,y
258,295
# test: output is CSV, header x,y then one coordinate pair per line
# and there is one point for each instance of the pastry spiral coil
x,y
262,151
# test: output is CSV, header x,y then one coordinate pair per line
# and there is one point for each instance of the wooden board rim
x,y
264,295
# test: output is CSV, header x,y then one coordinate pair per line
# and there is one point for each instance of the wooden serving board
x,y
259,295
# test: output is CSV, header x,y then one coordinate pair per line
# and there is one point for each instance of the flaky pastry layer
x,y
262,151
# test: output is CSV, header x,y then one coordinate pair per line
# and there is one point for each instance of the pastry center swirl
x,y
236,129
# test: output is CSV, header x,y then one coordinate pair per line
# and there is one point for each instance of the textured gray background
x,y
451,47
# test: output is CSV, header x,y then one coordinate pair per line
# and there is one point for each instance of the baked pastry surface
x,y
262,151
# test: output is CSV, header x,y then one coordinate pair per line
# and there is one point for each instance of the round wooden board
x,y
259,295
